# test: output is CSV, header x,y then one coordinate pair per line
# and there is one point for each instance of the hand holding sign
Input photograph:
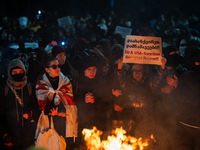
x,y
164,61
120,63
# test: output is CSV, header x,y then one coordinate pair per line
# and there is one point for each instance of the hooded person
x,y
18,108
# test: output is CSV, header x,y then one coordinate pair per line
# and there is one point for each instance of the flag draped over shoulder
x,y
45,94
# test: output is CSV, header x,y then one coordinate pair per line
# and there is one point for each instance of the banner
x,y
65,21
31,45
142,50
123,31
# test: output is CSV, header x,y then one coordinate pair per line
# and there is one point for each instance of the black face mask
x,y
18,77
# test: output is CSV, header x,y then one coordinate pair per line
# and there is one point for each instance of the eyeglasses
x,y
55,66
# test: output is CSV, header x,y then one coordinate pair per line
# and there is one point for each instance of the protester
x,y
93,101
82,35
66,68
19,109
135,97
55,98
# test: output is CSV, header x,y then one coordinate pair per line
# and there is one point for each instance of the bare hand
x,y
9,144
116,92
163,60
54,111
167,89
172,80
117,107
89,98
25,116
62,114
120,63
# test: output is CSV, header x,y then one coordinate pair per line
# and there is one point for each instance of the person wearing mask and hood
x,y
18,108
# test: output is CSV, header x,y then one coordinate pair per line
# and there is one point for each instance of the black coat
x,y
21,131
92,114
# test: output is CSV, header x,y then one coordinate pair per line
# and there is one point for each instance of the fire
x,y
117,141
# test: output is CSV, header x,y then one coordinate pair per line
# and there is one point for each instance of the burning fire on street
x,y
117,141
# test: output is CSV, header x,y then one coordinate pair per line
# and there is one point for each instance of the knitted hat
x,y
89,62
56,50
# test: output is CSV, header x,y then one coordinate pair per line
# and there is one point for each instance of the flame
x,y
117,141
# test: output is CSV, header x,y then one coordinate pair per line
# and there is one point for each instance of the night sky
x,y
139,9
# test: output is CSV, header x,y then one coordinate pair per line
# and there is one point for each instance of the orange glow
x,y
117,141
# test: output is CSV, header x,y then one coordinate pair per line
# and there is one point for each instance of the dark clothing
x,y
59,122
35,69
137,101
18,99
68,70
21,130
54,81
92,114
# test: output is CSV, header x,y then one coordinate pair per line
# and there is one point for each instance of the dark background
x,y
136,8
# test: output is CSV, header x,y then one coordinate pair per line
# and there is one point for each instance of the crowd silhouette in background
x,y
77,74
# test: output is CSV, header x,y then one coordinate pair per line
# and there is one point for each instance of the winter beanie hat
x,y
89,62
56,50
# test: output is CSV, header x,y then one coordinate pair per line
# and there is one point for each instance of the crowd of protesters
x,y
77,75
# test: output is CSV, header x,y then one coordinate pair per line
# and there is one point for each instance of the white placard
x,y
142,50
65,21
123,31
31,45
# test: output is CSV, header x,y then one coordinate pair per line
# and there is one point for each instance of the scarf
x,y
64,94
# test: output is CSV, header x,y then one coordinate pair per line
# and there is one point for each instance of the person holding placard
x,y
135,99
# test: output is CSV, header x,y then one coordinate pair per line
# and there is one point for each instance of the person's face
x,y
105,70
90,72
54,69
17,71
61,58
182,46
137,71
